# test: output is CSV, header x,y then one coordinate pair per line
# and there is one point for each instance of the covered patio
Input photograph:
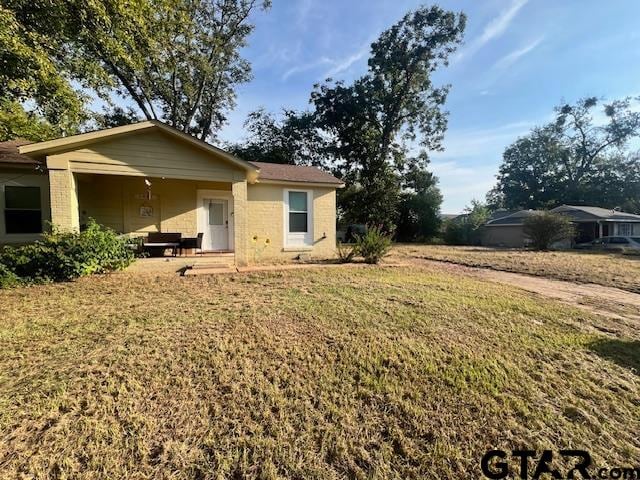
x,y
139,206
148,177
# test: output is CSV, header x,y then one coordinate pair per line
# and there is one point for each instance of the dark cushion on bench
x,y
160,237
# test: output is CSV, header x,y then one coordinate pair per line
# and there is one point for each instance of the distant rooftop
x,y
577,213
516,218
580,212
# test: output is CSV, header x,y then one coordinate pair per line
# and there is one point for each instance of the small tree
x,y
465,229
546,228
373,245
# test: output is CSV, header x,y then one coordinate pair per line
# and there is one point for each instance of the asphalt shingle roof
x,y
586,213
516,218
294,173
9,153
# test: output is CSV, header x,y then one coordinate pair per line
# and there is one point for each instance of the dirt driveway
x,y
621,306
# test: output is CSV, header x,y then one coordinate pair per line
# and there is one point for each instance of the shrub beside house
x,y
63,256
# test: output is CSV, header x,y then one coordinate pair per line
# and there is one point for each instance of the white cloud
x,y
345,64
494,29
484,142
336,65
306,67
514,56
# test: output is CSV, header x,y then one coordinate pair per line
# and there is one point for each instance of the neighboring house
x,y
596,222
506,231
590,222
149,177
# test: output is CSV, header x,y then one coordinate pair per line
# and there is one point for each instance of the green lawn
x,y
608,269
365,373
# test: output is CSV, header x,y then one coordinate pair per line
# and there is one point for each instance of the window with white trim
x,y
298,218
625,229
22,209
298,212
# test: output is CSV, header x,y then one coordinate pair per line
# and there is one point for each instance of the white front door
x,y
216,222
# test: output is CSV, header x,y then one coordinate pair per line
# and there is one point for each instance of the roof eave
x,y
52,146
300,182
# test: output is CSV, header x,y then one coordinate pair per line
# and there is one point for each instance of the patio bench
x,y
157,242
194,243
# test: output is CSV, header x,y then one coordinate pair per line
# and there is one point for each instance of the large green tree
x,y
375,133
34,36
293,138
178,60
575,159
175,60
418,216
373,122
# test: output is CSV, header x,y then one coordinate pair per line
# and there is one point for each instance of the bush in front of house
x,y
62,256
8,279
546,228
346,252
373,245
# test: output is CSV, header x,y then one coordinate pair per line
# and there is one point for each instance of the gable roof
x,y
59,144
294,173
23,151
586,213
516,218
9,153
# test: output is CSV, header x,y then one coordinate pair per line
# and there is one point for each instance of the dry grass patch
x,y
608,269
364,373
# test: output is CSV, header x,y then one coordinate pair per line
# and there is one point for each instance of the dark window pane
x,y
298,201
22,197
23,221
297,222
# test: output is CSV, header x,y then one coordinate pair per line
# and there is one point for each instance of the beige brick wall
x,y
115,201
266,220
240,222
64,200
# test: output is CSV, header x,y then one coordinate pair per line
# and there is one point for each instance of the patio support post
x,y
63,193
240,222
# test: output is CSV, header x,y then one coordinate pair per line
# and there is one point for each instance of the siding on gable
x,y
151,154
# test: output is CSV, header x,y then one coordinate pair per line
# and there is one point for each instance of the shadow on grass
x,y
625,353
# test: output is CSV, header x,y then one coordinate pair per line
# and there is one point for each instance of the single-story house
x,y
590,222
596,222
506,231
149,177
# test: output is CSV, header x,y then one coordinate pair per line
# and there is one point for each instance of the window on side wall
x,y
298,215
22,209
625,229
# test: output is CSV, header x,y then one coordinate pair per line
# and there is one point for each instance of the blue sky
x,y
519,60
